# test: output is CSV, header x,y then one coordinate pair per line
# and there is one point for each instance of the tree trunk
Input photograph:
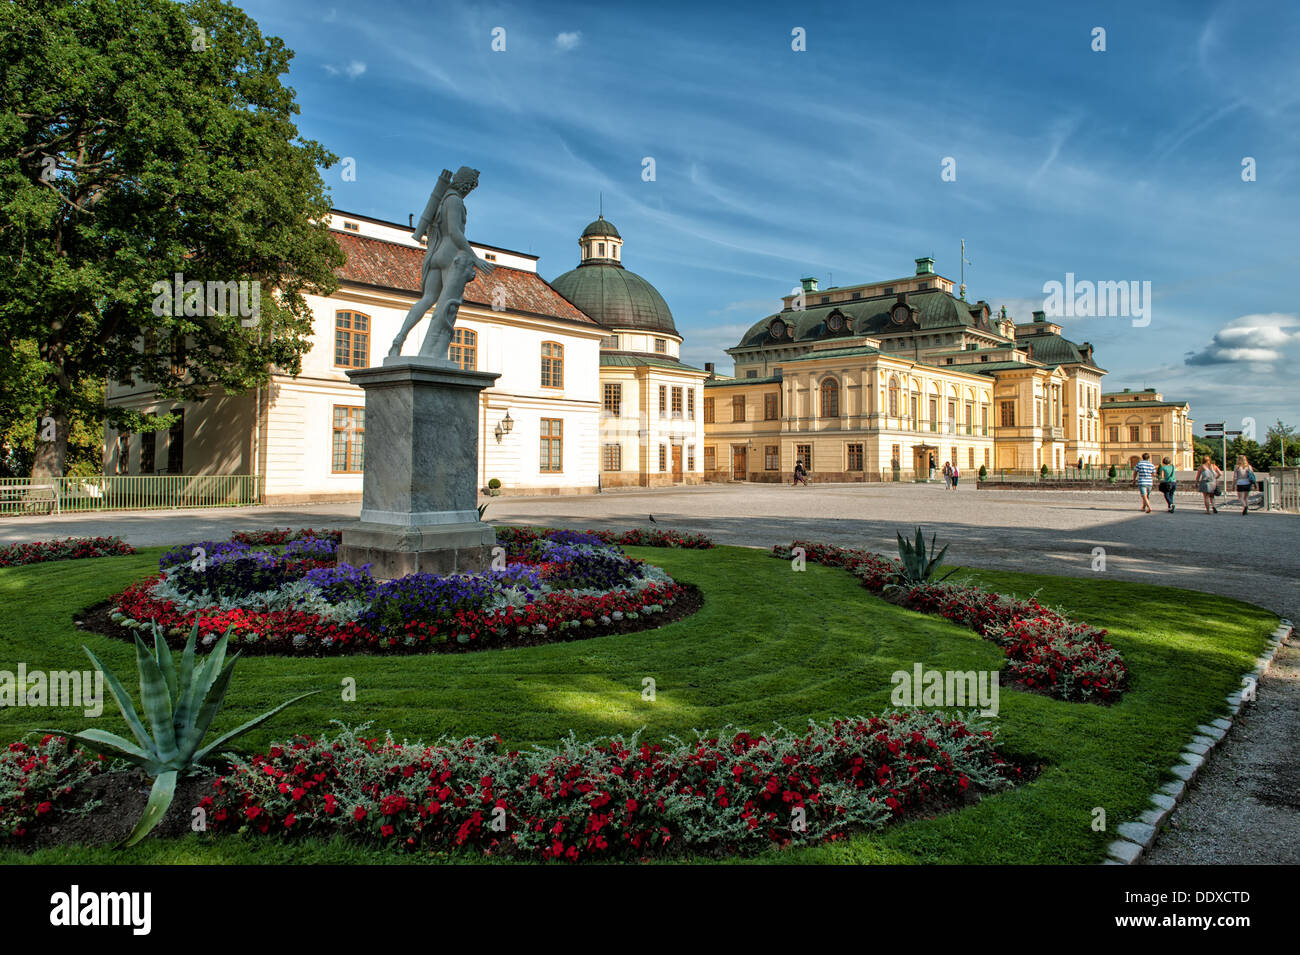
x,y
50,455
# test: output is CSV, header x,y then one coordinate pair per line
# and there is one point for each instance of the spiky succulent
x,y
179,703
917,567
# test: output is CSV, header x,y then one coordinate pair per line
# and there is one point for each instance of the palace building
x,y
883,380
591,391
1138,421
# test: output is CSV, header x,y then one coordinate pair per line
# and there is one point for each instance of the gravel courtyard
x,y
1245,806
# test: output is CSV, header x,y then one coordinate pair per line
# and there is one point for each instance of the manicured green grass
x,y
770,645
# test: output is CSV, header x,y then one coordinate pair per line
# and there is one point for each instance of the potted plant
x,y
1042,473
1112,474
494,487
984,472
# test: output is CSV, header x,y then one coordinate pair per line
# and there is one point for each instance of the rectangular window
x,y
1134,434
663,457
552,365
855,457
1112,434
769,407
613,457
149,452
661,346
710,457
609,341
738,408
708,411
613,403
551,452
124,454
677,402
1155,433
772,457
895,455
803,452
464,348
1008,409
176,444
349,440
986,457
663,401
751,373
690,404
351,340
984,419
690,457
971,465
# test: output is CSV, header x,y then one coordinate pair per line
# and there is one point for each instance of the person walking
x,y
1207,482
1144,473
1165,475
1244,480
800,475
931,476
956,473
947,475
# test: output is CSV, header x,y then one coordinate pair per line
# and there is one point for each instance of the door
x,y
738,466
677,464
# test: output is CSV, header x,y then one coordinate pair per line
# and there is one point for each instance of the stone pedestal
x,y
419,490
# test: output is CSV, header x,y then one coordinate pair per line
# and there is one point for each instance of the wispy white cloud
x,y
352,69
568,41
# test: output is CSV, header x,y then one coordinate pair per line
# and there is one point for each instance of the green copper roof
x,y
601,226
616,298
615,360
724,382
1148,403
1054,350
931,309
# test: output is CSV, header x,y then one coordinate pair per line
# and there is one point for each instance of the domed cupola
x,y
611,294
601,244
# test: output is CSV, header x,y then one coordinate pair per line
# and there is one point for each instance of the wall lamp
x,y
504,426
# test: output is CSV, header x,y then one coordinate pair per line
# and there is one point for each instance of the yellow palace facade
x,y
884,381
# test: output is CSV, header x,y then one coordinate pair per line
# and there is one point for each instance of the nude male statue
x,y
449,263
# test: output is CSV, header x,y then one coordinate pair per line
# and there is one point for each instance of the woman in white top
x,y
1207,480
1244,480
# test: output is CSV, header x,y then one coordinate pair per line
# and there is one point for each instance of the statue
x,y
448,265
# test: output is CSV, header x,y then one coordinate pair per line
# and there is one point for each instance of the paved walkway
x,y
1247,796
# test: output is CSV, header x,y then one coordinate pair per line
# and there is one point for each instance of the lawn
x,y
769,646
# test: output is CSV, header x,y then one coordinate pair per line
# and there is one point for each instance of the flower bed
x,y
1045,649
276,536
295,599
617,798
516,539
37,783
70,548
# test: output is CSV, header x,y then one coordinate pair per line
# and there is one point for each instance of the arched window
x,y
830,398
893,396
464,349
351,340
552,365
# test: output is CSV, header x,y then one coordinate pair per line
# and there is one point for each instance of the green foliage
x,y
140,139
494,483
179,702
984,471
1043,471
917,566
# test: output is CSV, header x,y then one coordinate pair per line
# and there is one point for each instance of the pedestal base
x,y
394,551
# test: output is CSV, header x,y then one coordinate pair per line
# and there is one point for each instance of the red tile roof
x,y
389,265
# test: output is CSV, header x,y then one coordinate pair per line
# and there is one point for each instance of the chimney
x,y
809,284
708,366
1040,317
925,265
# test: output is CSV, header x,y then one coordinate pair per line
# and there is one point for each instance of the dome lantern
x,y
601,243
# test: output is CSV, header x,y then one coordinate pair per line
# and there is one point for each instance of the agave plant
x,y
917,567
180,703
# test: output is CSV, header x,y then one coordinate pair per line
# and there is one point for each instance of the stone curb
x,y
1137,836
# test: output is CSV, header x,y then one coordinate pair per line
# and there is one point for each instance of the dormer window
x,y
490,256
351,227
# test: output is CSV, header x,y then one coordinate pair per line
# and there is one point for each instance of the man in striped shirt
x,y
1144,473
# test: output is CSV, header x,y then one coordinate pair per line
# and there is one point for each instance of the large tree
x,y
141,140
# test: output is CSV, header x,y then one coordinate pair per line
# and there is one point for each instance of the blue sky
x,y
772,164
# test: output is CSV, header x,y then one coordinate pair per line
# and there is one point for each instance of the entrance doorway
x,y
921,456
677,464
739,467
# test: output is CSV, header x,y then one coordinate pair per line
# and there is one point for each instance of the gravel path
x,y
1244,807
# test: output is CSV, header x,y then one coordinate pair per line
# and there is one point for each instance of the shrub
x,y
36,783
69,548
984,472
494,483
915,567
616,798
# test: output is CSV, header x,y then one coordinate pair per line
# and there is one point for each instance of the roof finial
x,y
601,206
